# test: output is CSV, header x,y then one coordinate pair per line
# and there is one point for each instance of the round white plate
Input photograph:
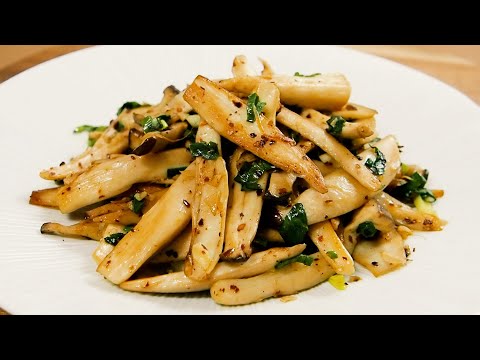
x,y
42,274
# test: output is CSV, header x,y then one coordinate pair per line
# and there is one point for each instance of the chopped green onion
x,y
338,282
304,259
114,238
295,225
367,229
250,173
208,150
335,125
332,254
312,75
377,166
254,107
129,105
158,123
88,128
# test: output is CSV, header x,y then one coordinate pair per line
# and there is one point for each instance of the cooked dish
x,y
252,187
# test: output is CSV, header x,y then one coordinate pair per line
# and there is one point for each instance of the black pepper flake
x,y
253,135
375,263
186,203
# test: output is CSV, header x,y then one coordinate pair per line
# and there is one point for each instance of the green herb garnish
x,y
208,150
335,125
114,238
128,228
367,229
377,166
250,173
175,171
119,126
301,75
254,107
137,203
304,259
88,128
129,105
413,187
158,123
332,254
295,226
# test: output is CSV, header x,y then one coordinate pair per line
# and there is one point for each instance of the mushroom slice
x,y
373,212
288,280
383,251
155,230
227,114
244,208
408,216
314,132
177,250
323,91
112,177
360,128
110,142
382,255
209,210
156,141
353,111
45,197
241,67
331,247
176,282
85,229
345,193
281,182
104,248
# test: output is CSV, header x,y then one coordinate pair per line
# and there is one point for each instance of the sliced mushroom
x,y
324,91
227,114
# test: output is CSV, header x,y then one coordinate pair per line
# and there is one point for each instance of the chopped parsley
x,y
88,128
377,166
158,123
311,75
413,187
250,173
332,254
208,150
304,259
114,238
367,230
129,105
175,171
295,226
335,125
254,107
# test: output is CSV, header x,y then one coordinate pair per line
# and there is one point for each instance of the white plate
x,y
41,274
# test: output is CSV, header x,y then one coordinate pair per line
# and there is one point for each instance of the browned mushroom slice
x,y
227,114
155,230
112,177
85,229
